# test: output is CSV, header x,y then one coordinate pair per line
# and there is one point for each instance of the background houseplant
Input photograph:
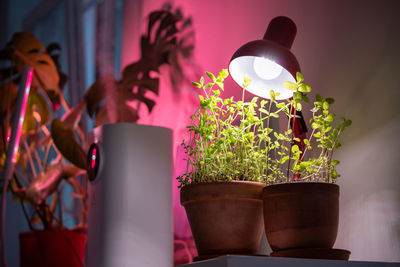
x,y
39,179
234,141
41,172
166,42
112,101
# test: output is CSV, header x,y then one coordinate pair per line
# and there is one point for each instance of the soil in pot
x,y
225,217
49,248
301,215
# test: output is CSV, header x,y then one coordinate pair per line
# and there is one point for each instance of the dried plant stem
x,y
30,160
47,152
21,201
19,174
38,160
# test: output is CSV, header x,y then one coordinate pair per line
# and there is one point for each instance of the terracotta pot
x,y
225,217
301,215
49,248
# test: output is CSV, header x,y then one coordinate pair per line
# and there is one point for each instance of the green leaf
x,y
334,174
275,115
272,94
304,164
334,163
330,117
298,107
280,105
347,123
201,97
297,96
212,77
330,100
325,105
222,75
246,82
220,85
299,77
197,84
304,88
208,85
263,103
284,159
290,85
202,81
306,99
263,111
295,149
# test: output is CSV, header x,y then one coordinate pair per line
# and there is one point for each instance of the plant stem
x,y
267,149
291,142
38,160
46,155
306,149
28,153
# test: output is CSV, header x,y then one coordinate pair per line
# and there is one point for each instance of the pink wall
x,y
348,50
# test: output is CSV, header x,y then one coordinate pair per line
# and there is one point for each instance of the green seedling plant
x,y
233,140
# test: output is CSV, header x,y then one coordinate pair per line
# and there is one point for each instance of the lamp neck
x,y
281,30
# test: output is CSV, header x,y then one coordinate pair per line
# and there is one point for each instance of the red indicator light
x,y
93,161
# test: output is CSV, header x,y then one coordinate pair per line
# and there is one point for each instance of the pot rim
x,y
41,231
212,190
300,182
288,188
223,182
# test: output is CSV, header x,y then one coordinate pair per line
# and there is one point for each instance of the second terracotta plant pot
x,y
225,217
301,215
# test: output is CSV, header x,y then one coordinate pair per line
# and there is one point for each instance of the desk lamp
x,y
268,62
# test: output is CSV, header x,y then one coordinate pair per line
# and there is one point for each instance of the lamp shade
x,y
268,62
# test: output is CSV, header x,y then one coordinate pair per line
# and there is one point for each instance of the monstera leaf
x,y
110,101
97,92
65,141
29,51
8,94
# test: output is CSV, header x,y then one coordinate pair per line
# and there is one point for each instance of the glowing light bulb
x,y
266,69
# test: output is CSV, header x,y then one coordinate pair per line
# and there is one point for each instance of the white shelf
x,y
247,261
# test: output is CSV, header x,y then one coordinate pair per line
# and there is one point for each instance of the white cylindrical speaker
x,y
130,196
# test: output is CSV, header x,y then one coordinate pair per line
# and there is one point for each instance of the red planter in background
x,y
49,248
